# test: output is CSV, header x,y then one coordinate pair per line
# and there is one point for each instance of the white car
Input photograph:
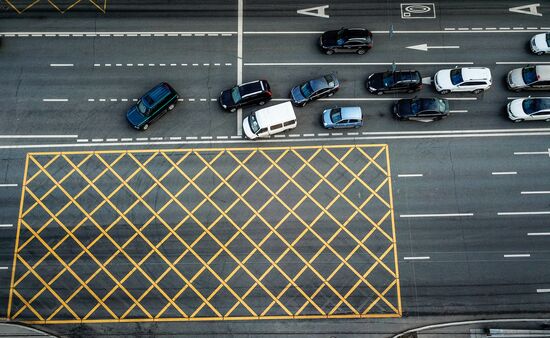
x,y
468,79
529,109
540,43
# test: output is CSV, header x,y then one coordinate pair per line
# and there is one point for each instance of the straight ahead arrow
x,y
425,47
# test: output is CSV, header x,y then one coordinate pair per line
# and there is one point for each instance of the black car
x,y
255,92
421,109
151,106
326,85
394,81
346,40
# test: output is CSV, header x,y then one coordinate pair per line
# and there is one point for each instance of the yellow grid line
x,y
52,3
142,167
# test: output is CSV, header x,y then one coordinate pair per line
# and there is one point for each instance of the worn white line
x,y
410,175
308,135
458,111
55,100
436,215
279,136
294,135
336,134
61,65
6,225
82,140
543,290
191,138
323,134
538,234
417,258
7,185
504,173
141,139
521,213
156,138
535,192
97,140
37,136
233,137
517,255
111,140
222,137
175,138
353,63
126,139
353,134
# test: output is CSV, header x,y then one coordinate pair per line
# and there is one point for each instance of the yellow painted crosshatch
x,y
206,234
61,6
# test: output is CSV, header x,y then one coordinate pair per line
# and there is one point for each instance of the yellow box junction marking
x,y
206,234
61,6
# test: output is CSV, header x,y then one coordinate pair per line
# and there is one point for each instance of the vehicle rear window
x,y
456,76
336,115
548,39
529,75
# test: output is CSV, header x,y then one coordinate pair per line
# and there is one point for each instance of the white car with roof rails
x,y
540,43
468,79
529,109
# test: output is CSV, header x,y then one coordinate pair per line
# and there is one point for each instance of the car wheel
x,y
261,103
477,91
233,110
444,92
145,126
171,107
518,120
380,93
540,53
361,51
329,52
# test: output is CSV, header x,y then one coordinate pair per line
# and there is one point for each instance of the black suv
x,y
346,40
151,106
394,81
255,92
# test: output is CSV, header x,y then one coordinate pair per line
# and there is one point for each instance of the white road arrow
x,y
314,11
526,9
425,47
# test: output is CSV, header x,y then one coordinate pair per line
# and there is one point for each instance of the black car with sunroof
x,y
151,106
254,92
394,81
346,40
421,109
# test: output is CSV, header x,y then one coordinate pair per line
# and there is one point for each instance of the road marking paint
x,y
141,139
504,173
3,267
436,215
37,136
351,134
236,137
119,65
7,185
222,137
61,65
294,135
323,134
162,64
543,290
458,111
191,138
354,63
6,225
82,140
336,134
55,100
97,140
206,137
156,138
517,255
126,139
538,234
191,100
477,28
280,135
410,175
532,153
416,258
308,135
521,62
535,192
520,213
111,140
504,28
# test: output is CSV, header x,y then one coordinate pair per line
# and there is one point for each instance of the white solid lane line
x,y
8,185
354,63
504,173
240,61
521,62
37,136
517,255
543,290
436,215
535,192
532,152
416,258
520,213
538,234
55,100
409,175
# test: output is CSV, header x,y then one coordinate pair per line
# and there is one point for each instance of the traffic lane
x,y
473,287
113,92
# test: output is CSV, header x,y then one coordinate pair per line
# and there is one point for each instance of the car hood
x,y
443,78
226,98
135,117
516,108
326,117
515,78
296,95
540,41
329,38
247,131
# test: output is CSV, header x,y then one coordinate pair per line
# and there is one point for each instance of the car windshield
x,y
306,90
142,107
456,76
336,115
415,106
529,75
235,94
388,79
548,39
341,37
254,126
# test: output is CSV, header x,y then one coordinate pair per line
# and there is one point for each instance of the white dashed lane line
x,y
534,192
6,225
517,255
410,175
8,185
496,173
416,258
215,64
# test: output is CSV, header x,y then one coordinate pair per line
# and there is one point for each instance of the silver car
x,y
342,117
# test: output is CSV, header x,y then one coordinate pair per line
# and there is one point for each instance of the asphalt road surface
x,y
187,228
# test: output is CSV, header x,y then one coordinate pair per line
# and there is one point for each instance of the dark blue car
x,y
151,106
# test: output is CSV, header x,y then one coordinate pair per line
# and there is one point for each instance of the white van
x,y
268,121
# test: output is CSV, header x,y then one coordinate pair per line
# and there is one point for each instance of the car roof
x,y
355,33
407,75
279,113
159,92
543,72
350,113
251,87
476,73
543,102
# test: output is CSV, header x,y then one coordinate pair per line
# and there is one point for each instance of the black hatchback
x,y
421,109
151,106
394,81
254,92
346,40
